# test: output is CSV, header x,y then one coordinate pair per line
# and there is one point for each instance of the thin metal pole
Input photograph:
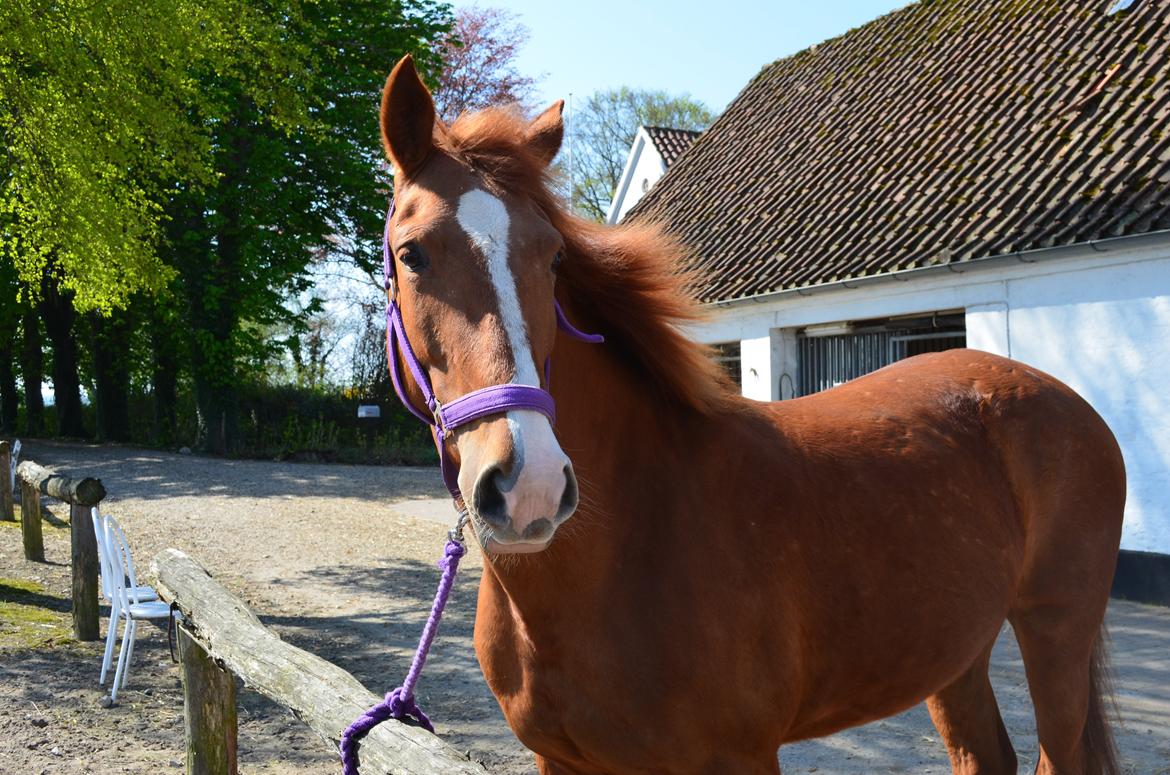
x,y
570,133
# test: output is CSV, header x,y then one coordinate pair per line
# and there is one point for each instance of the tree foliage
x,y
479,63
603,130
171,174
285,191
96,107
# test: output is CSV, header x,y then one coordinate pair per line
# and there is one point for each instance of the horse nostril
x,y
569,496
489,500
538,530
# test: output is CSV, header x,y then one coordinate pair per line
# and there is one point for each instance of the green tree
x,y
96,121
604,128
94,134
285,190
188,157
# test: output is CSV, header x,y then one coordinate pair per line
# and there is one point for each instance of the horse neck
x,y
619,436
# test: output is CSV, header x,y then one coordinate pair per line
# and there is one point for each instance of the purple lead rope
x,y
400,703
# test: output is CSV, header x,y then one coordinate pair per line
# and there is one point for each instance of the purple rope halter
x,y
400,703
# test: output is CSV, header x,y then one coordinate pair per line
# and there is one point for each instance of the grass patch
x,y
49,520
30,618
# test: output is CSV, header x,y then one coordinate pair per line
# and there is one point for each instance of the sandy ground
x,y
340,561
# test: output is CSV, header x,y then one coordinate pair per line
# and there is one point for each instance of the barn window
x,y
832,354
727,356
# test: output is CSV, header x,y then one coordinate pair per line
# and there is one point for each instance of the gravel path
x,y
340,561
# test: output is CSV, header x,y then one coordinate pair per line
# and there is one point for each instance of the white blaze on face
x,y
538,470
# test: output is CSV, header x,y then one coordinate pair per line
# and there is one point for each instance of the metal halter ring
x,y
456,533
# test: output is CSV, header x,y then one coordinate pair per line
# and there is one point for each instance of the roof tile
x,y
670,143
943,132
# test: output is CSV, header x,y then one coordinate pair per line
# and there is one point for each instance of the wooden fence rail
x,y
81,495
220,632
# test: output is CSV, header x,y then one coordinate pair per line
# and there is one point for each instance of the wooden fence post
x,y
6,512
209,710
83,545
81,495
30,522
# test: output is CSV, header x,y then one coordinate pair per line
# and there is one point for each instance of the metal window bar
x,y
826,361
906,345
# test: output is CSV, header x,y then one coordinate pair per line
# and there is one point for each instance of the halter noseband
x,y
446,417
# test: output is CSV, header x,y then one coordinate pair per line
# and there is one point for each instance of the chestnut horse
x,y
738,574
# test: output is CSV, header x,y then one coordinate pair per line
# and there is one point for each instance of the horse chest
x,y
567,689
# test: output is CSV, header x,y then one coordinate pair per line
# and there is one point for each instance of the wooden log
x,y
85,573
6,511
209,710
320,693
76,492
30,523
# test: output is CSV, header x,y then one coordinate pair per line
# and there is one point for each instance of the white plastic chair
x,y
15,460
105,560
130,605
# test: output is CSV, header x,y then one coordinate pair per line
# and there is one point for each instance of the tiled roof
x,y
946,131
670,143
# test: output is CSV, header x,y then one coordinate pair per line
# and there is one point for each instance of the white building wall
x,y
1106,334
768,365
644,167
1099,323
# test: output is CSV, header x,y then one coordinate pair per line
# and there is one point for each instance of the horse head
x,y
474,268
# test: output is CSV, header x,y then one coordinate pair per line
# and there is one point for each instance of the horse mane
x,y
632,282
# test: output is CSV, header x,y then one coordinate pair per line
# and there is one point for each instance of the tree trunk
x,y
111,355
9,401
57,312
215,287
164,376
32,372
85,491
218,415
206,257
213,367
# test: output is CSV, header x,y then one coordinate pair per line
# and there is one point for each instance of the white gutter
x,y
1151,239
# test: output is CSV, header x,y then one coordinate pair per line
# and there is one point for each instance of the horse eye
x,y
557,259
412,257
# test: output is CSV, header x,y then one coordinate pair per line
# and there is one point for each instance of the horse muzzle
x,y
520,496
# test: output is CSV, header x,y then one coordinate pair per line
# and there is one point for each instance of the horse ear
x,y
546,131
408,118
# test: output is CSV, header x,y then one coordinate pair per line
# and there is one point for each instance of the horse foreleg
x,y
967,717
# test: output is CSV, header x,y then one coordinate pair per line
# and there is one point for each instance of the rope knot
x,y
451,555
402,706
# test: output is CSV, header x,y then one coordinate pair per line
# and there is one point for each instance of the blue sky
x,y
710,49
